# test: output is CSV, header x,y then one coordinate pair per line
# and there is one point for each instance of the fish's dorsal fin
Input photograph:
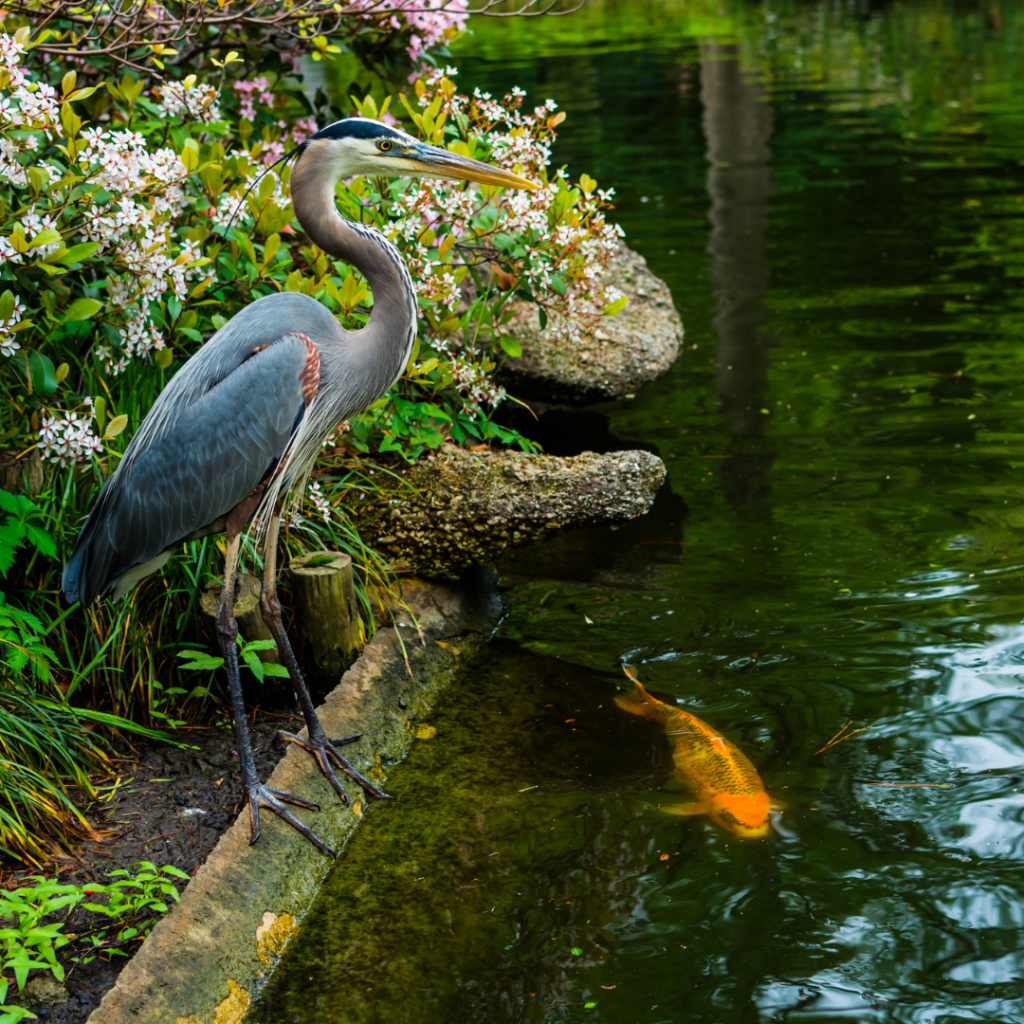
x,y
631,673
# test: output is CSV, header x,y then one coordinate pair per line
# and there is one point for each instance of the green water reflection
x,y
836,196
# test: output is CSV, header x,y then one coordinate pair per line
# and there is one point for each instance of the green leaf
x,y
115,426
82,309
42,541
512,347
6,305
46,237
13,503
616,307
271,669
77,253
557,284
43,374
435,411
199,661
252,660
99,408
261,645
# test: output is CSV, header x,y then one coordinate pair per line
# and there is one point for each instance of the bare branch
x,y
113,30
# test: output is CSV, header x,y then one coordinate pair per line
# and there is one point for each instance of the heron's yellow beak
x,y
433,162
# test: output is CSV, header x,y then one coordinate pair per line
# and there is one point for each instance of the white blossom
x,y
68,437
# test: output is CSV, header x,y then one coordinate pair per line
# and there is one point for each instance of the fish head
x,y
745,815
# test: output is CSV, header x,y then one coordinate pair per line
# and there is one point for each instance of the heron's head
x,y
358,145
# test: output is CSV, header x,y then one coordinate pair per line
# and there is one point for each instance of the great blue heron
x,y
241,423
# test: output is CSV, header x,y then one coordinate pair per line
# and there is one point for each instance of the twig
x,y
839,737
912,785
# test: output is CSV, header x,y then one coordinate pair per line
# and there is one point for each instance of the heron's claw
x,y
275,800
324,752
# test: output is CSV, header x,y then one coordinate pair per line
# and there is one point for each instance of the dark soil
x,y
171,808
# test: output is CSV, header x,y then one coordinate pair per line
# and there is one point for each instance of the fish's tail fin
x,y
638,701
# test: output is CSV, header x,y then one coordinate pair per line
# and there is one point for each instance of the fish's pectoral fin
x,y
684,809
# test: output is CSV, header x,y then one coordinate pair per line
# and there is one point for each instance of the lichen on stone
x,y
454,508
273,935
234,1008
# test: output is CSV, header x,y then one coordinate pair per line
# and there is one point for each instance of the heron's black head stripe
x,y
357,128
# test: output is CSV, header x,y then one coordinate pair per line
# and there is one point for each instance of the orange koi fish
x,y
725,783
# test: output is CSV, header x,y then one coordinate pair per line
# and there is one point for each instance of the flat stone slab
x,y
207,959
455,508
621,355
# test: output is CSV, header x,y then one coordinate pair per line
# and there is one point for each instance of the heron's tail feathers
x,y
89,567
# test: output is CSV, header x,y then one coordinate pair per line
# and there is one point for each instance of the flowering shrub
x,y
138,249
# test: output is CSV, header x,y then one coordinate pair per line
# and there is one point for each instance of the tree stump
x,y
22,475
247,611
326,614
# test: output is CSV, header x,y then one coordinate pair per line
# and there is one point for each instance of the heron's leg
x,y
322,748
259,795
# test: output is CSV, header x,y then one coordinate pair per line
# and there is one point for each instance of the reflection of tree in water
x,y
470,894
737,127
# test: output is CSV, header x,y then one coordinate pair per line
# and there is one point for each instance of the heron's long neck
x,y
383,347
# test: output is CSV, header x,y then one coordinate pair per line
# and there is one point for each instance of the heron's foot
x,y
275,800
324,751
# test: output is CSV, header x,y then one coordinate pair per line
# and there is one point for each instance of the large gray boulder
x,y
623,353
456,508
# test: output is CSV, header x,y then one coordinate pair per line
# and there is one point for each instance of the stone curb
x,y
206,961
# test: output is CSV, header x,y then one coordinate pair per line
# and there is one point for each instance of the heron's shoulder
x,y
259,324
270,318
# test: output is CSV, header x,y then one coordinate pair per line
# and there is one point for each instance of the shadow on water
x,y
835,194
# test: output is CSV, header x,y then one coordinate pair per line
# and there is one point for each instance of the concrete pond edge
x,y
209,958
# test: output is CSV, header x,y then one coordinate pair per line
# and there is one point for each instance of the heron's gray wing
x,y
213,457
261,323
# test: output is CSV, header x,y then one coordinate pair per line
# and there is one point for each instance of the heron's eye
x,y
384,145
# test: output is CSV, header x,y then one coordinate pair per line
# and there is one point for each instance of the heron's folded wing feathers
x,y
212,458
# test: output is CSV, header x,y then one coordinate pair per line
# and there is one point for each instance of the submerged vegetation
x,y
142,204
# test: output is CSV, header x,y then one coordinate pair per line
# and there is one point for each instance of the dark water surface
x,y
835,195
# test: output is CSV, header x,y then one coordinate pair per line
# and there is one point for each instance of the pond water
x,y
835,194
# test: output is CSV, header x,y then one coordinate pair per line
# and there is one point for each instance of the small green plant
x,y
200,661
27,944
130,897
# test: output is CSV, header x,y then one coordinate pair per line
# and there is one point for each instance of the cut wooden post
x,y
326,614
247,610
